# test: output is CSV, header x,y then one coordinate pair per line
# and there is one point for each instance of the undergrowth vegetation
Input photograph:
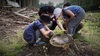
x,y
12,45
91,30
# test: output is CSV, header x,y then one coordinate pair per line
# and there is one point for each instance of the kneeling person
x,y
36,30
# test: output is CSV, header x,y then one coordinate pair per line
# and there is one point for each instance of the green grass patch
x,y
13,45
91,30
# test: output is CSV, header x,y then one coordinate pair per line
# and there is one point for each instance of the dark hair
x,y
51,9
46,9
66,4
46,18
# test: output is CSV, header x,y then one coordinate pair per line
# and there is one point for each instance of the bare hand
x,y
51,33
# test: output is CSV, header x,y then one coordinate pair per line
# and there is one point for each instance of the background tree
x,y
50,3
86,4
35,3
43,4
60,5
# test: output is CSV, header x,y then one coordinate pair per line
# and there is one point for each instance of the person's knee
x,y
29,39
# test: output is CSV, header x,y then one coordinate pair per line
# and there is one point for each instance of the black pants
x,y
54,24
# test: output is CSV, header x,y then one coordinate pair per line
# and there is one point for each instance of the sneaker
x,y
70,35
78,33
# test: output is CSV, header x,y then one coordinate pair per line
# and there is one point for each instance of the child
x,y
72,16
50,10
36,30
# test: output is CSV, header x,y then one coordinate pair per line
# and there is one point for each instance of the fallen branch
x,y
16,13
31,14
21,23
21,10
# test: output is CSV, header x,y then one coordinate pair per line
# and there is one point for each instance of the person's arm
x,y
47,28
66,25
45,33
60,25
71,14
66,21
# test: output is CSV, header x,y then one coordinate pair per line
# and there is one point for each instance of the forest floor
x,y
12,43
